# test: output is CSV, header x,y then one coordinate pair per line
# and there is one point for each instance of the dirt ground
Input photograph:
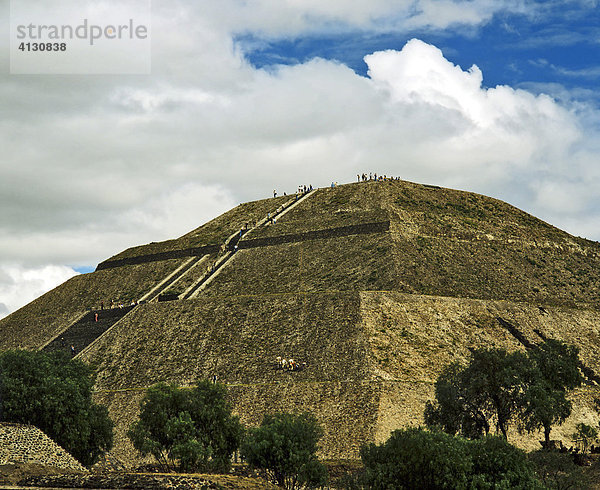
x,y
33,475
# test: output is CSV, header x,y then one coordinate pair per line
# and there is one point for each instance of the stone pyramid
x,y
376,286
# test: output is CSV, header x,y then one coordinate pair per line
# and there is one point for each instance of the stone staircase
x,y
231,245
84,331
156,293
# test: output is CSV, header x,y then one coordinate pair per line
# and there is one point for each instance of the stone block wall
x,y
26,444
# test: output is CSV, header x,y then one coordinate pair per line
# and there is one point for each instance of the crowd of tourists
x,y
374,177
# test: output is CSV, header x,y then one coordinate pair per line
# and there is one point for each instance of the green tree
x,y
496,381
284,447
454,411
585,435
187,429
497,386
543,407
54,393
488,390
545,403
558,364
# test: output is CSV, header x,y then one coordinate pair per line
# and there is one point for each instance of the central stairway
x,y
84,331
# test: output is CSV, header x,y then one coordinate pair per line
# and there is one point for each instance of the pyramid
x,y
376,286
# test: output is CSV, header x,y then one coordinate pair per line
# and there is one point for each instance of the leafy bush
x,y
54,393
497,464
416,458
558,471
284,447
585,435
187,429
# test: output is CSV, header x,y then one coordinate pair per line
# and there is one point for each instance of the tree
x,y
489,389
416,458
543,407
284,447
187,429
585,435
558,364
455,412
54,393
497,386
496,381
545,403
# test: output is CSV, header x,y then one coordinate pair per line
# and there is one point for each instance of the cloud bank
x,y
92,165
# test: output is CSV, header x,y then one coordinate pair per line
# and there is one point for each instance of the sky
x,y
492,96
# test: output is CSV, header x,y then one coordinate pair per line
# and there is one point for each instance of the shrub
x,y
585,435
416,458
497,464
54,393
187,429
558,471
284,447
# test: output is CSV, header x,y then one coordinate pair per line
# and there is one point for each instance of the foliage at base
x,y
54,393
187,429
558,471
416,458
284,447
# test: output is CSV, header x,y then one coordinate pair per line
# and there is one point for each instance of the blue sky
x,y
554,48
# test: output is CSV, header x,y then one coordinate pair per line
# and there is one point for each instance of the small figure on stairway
x,y
72,351
95,317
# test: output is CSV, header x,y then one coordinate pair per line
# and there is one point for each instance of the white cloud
x,y
487,125
161,214
110,162
288,18
19,284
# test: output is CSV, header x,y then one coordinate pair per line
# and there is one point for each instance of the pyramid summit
x,y
372,288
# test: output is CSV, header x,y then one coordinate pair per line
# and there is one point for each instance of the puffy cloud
x,y
485,127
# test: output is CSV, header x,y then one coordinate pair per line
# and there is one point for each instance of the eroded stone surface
x,y
26,444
